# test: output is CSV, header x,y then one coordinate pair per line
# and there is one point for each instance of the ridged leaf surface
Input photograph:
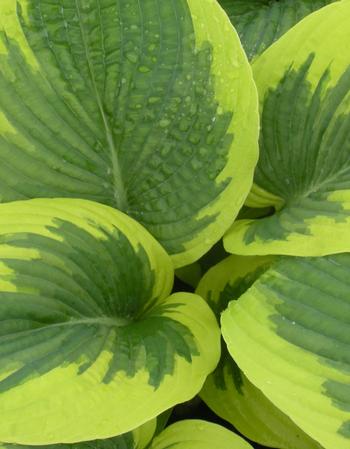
x,y
304,167
260,23
147,106
227,391
91,343
290,335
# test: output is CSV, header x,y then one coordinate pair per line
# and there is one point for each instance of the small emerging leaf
x,y
197,434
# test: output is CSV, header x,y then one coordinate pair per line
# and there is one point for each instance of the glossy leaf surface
x,y
146,106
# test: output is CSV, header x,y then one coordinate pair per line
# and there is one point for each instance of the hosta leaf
x,y
260,23
198,434
227,391
147,106
137,439
91,343
304,167
249,410
290,335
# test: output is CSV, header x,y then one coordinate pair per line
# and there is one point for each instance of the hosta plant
x,y
129,138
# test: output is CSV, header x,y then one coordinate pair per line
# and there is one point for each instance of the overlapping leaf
x,y
259,23
304,167
146,106
197,434
137,439
289,334
91,343
227,391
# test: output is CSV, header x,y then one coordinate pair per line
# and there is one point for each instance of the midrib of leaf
x,y
102,321
118,184
317,187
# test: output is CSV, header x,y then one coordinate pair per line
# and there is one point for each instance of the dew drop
x,y
132,57
153,100
144,69
164,123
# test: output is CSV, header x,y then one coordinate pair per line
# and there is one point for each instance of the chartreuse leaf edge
x,y
289,334
303,82
138,438
137,105
87,324
227,391
198,434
